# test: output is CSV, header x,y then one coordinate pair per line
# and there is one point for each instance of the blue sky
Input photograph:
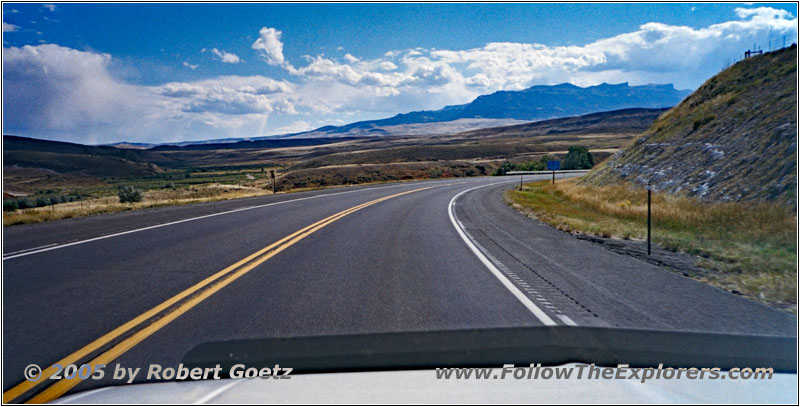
x,y
167,72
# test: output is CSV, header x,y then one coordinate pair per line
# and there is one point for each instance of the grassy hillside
x,y
62,158
734,139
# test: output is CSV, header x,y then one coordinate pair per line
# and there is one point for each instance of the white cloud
x,y
269,45
763,12
49,6
190,66
226,57
350,59
387,66
7,28
294,127
57,92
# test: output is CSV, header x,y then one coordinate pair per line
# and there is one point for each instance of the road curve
x,y
443,254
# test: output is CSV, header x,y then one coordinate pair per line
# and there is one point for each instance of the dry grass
x,y
152,199
159,198
748,247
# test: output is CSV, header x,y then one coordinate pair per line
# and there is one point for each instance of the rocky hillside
x,y
734,139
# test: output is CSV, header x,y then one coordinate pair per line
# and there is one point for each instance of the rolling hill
x,y
734,139
618,121
61,157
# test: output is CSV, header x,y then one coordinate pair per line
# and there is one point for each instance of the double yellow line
x,y
192,296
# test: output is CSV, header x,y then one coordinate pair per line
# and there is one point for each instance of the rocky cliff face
x,y
734,139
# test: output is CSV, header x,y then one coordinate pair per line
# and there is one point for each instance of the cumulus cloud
x,y
7,28
233,95
269,45
763,12
226,57
58,92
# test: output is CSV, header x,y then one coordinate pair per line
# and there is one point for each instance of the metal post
x,y
648,219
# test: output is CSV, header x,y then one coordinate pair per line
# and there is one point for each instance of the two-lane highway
x,y
147,286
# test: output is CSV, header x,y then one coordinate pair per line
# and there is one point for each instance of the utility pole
x,y
649,193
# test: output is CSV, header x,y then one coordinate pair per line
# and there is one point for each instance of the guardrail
x,y
547,172
554,172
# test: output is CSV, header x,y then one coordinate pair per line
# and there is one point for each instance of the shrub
x,y
25,203
702,122
42,201
504,168
10,205
129,194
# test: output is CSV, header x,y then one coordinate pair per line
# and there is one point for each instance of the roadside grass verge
x,y
110,203
746,247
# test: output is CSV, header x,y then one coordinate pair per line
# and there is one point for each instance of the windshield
x,y
197,192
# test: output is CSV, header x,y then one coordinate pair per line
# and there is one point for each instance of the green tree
x,y
578,158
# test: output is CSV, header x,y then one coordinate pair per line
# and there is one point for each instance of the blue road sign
x,y
553,165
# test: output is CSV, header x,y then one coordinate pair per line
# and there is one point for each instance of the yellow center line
x,y
105,339
222,279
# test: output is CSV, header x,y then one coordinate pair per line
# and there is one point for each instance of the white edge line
x,y
47,248
32,248
536,311
567,320
210,396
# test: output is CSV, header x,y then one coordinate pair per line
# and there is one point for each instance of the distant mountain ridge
x,y
539,102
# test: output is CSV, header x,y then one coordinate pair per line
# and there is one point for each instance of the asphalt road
x,y
417,260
